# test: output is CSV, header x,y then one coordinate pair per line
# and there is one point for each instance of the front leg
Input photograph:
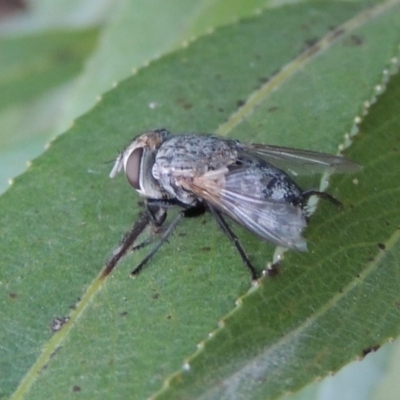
x,y
189,212
157,213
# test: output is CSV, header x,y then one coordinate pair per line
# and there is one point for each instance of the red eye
x,y
132,168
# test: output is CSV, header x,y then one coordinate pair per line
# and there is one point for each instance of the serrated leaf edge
x,y
393,67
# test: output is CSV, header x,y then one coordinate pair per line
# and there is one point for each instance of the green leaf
x,y
31,65
36,72
139,32
123,338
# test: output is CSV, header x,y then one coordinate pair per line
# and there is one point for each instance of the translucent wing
x,y
302,162
229,191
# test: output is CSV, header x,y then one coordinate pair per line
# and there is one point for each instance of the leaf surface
x,y
121,338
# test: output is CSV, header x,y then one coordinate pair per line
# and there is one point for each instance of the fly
x,y
225,177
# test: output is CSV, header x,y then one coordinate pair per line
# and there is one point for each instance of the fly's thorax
x,y
183,158
195,152
170,180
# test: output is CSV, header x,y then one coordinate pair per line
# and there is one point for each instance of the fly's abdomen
x,y
262,181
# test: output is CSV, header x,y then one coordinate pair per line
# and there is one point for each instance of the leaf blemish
x,y
381,246
311,50
354,40
370,350
272,270
310,42
58,323
184,103
264,79
337,32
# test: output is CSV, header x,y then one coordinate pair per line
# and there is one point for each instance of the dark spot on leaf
x,y
221,110
273,270
76,388
381,246
205,248
58,323
272,109
123,313
387,223
264,79
311,42
370,349
53,354
354,40
13,295
337,32
240,103
169,317
312,49
155,296
370,259
184,103
181,234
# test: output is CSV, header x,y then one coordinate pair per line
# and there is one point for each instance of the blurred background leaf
x,y
63,218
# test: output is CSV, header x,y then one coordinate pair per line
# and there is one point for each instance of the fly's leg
x,y
156,209
322,195
228,231
157,216
127,242
188,213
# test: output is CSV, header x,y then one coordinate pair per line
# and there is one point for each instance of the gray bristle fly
x,y
245,182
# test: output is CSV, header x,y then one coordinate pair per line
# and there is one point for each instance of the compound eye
x,y
132,168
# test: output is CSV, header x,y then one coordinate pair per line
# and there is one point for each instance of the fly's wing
x,y
302,162
228,191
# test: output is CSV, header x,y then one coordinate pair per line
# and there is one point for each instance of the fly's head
x,y
137,160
